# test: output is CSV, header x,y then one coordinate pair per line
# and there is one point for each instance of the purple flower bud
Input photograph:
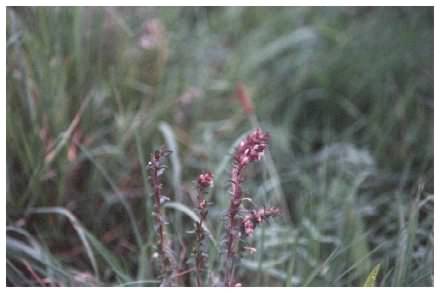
x,y
205,180
251,148
255,217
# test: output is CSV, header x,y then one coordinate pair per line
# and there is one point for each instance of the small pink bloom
x,y
255,217
249,228
202,204
205,180
252,148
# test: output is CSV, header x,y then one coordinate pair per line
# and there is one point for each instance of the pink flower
x,y
205,180
252,148
248,226
255,217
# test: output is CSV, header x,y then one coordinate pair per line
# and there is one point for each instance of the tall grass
x,y
346,93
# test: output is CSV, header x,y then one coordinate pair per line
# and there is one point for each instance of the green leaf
x,y
111,260
371,279
80,230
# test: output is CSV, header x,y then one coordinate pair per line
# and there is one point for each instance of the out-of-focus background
x,y
346,94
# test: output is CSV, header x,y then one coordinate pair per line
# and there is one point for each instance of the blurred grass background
x,y
346,93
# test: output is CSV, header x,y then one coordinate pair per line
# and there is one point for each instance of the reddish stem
x,y
233,224
205,180
157,194
156,168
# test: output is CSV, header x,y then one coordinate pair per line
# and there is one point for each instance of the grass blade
x,y
371,279
76,225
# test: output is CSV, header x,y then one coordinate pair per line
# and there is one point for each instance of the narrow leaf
x,y
371,279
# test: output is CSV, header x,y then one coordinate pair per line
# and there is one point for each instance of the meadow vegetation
x,y
345,93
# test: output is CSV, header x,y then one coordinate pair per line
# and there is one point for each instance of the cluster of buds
x,y
255,217
252,148
204,181
249,150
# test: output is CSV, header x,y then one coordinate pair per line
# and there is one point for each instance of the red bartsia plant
x,y
204,181
156,169
249,150
240,223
